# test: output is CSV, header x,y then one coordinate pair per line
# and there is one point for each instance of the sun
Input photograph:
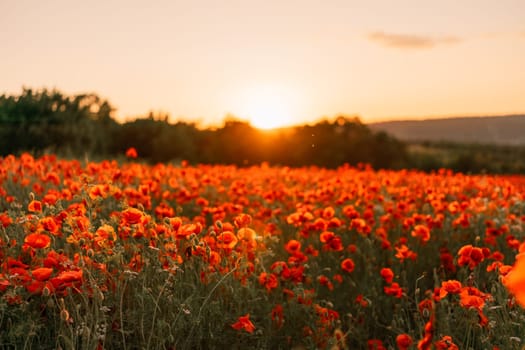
x,y
267,107
269,115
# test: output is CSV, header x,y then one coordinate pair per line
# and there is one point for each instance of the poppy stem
x,y
208,298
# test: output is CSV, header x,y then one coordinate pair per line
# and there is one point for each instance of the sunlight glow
x,y
267,107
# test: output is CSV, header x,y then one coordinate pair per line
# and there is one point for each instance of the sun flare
x,y
269,117
267,107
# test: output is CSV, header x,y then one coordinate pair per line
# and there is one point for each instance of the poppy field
x,y
126,255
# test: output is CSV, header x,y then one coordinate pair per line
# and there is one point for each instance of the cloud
x,y
407,41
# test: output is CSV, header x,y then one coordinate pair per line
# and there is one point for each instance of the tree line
x,y
48,121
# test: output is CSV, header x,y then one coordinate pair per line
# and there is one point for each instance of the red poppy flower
x,y
375,344
4,283
5,220
326,236
515,279
226,240
268,280
35,206
450,286
403,341
422,232
387,274
331,241
131,152
277,315
471,297
348,265
187,230
394,290
70,276
49,224
242,220
471,256
42,273
293,246
132,216
37,240
446,343
244,323
403,252
325,281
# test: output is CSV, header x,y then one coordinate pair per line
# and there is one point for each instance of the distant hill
x,y
503,130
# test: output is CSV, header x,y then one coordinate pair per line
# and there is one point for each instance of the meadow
x,y
128,255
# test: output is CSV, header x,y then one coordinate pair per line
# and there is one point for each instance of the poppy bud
x,y
64,315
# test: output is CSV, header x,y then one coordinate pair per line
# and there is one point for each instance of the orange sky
x,y
294,61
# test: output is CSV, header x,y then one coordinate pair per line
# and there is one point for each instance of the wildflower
x,y
387,274
244,323
325,281
446,343
515,279
422,232
280,268
339,337
42,273
214,258
426,342
471,256
328,213
66,279
331,241
49,224
247,234
450,286
131,153
360,226
293,246
269,281
35,206
185,231
326,316
277,316
425,306
132,216
5,220
361,300
348,265
338,278
447,260
242,220
375,344
37,240
403,253
394,290
4,283
471,297
226,240
69,276
403,341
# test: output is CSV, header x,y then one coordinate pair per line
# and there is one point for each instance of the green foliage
x,y
83,125
467,158
149,286
48,121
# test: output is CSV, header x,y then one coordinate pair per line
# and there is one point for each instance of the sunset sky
x,y
295,61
